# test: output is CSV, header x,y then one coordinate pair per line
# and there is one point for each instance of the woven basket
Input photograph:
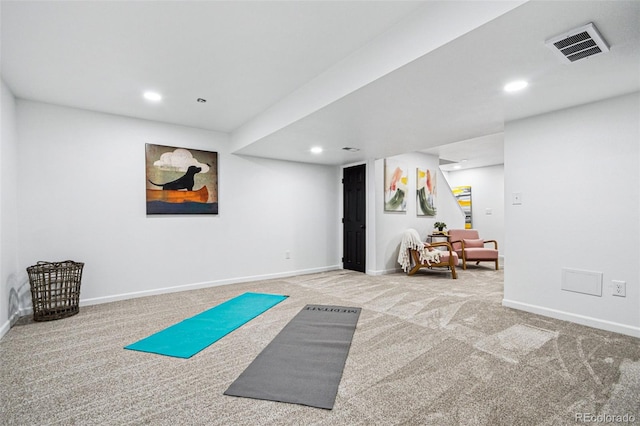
x,y
55,289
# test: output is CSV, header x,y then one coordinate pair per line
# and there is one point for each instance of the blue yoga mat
x,y
188,337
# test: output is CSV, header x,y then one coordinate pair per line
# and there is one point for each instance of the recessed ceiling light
x,y
316,150
514,86
457,166
152,96
202,100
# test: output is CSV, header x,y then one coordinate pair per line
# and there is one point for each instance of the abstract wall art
x,y
395,186
463,195
181,180
426,192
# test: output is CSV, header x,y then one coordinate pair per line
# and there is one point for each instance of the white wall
x,y
487,193
8,209
389,226
82,197
578,172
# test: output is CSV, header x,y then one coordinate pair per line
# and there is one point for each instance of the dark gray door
x,y
354,217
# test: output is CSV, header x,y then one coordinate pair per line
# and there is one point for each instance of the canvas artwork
x,y
181,180
463,195
426,192
395,186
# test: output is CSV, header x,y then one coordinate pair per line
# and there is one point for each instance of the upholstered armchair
x,y
470,247
415,254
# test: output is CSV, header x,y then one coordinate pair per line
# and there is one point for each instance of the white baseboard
x,y
7,325
383,271
629,330
4,329
207,284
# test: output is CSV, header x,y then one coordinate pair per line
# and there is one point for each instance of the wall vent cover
x,y
578,43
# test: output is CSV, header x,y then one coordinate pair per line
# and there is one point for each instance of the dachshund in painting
x,y
185,181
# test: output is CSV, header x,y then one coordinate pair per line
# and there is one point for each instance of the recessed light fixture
x,y
201,100
351,149
457,166
152,96
316,150
515,86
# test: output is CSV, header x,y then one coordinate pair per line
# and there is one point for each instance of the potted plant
x,y
440,226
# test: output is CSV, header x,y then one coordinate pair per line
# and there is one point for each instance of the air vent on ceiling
x,y
578,44
444,162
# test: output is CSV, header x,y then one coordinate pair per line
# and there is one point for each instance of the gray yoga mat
x,y
303,364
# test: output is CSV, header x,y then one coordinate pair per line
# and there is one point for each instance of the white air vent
x,y
578,44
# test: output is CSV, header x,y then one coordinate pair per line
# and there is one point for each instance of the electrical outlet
x,y
619,288
516,198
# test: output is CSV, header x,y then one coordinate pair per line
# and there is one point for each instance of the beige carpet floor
x,y
428,350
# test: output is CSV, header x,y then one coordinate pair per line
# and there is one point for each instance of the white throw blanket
x,y
411,240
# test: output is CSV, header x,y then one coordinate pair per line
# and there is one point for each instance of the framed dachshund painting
x,y
181,180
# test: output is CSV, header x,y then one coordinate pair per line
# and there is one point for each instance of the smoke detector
x,y
578,43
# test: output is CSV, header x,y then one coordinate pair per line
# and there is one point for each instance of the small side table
x,y
436,238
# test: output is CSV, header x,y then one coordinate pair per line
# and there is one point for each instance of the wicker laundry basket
x,y
55,289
